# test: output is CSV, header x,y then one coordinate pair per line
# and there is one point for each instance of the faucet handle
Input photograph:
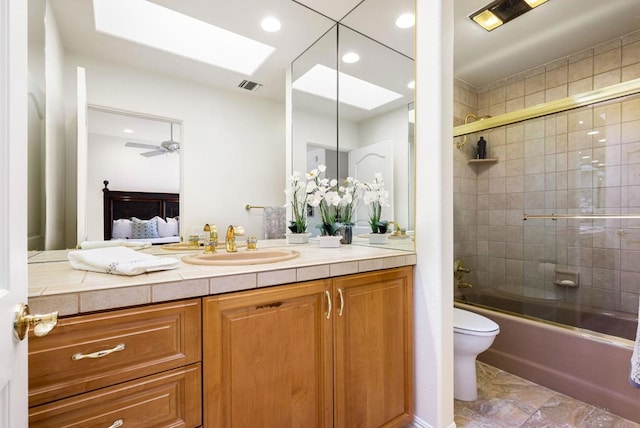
x,y
238,230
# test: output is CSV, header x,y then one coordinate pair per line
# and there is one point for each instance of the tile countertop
x,y
55,286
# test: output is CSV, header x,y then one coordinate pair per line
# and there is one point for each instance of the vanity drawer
x,y
125,344
171,398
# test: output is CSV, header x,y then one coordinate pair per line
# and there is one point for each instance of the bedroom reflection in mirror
x,y
139,157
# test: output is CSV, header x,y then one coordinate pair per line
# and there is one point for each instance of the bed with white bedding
x,y
141,216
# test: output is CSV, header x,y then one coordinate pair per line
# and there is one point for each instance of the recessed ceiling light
x,y
127,131
150,24
350,57
320,80
500,12
270,24
411,85
406,20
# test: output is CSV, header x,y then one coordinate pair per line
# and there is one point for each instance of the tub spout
x,y
462,284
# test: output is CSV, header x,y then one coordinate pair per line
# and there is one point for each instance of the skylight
x,y
321,81
149,24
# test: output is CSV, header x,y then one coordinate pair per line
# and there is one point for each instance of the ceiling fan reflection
x,y
169,146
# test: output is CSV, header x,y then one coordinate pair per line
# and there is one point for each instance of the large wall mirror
x,y
357,132
233,124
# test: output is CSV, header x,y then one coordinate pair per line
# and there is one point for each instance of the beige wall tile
x,y
534,84
534,99
579,70
557,76
514,104
556,93
515,89
631,53
607,47
607,79
580,86
631,110
630,72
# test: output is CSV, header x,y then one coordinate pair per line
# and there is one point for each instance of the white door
x,y
13,209
364,163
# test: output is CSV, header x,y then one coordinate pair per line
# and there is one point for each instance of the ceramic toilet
x,y
472,334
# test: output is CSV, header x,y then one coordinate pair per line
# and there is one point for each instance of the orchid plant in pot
x,y
323,194
296,193
376,198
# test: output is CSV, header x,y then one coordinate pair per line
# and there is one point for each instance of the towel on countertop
x,y
135,245
119,261
275,224
634,378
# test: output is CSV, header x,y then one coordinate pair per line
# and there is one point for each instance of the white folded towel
x,y
119,261
634,377
136,245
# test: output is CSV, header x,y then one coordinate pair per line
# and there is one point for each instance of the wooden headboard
x,y
143,205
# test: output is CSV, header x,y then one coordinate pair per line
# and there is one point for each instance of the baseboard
x,y
419,423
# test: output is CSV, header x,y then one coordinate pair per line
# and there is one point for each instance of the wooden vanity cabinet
x,y
139,365
330,353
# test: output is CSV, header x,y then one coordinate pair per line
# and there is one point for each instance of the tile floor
x,y
506,400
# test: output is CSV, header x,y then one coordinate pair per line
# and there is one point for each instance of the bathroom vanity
x,y
322,340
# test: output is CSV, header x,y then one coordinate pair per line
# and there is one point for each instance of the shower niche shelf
x,y
482,161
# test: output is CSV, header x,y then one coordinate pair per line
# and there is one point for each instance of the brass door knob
x,y
42,323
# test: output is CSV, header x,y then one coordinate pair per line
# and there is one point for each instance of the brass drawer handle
x,y
328,296
117,423
341,302
100,354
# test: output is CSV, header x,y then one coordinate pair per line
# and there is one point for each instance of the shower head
x,y
460,144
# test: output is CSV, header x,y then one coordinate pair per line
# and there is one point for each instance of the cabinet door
x,y
373,349
268,358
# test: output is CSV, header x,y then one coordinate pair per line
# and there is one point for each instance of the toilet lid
x,y
467,322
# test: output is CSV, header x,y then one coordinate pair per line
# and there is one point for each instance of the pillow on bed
x,y
145,229
168,227
122,229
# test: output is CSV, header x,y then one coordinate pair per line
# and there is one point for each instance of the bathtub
x,y
549,305
589,366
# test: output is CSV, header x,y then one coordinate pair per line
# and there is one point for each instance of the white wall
x,y
433,280
125,169
55,150
233,148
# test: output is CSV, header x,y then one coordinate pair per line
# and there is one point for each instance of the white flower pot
x,y
378,238
329,241
297,238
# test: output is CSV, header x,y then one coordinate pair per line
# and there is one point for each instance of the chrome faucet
x,y
230,240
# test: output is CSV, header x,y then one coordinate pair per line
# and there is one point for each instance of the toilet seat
x,y
465,322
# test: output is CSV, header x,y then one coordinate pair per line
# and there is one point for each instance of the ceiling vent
x,y
249,85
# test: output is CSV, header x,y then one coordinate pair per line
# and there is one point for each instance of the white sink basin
x,y
239,258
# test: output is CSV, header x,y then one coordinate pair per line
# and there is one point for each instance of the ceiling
x,y
553,30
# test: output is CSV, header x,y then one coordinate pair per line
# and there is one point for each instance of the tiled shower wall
x,y
556,164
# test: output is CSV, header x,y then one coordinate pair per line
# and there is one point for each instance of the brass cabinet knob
x,y
42,323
